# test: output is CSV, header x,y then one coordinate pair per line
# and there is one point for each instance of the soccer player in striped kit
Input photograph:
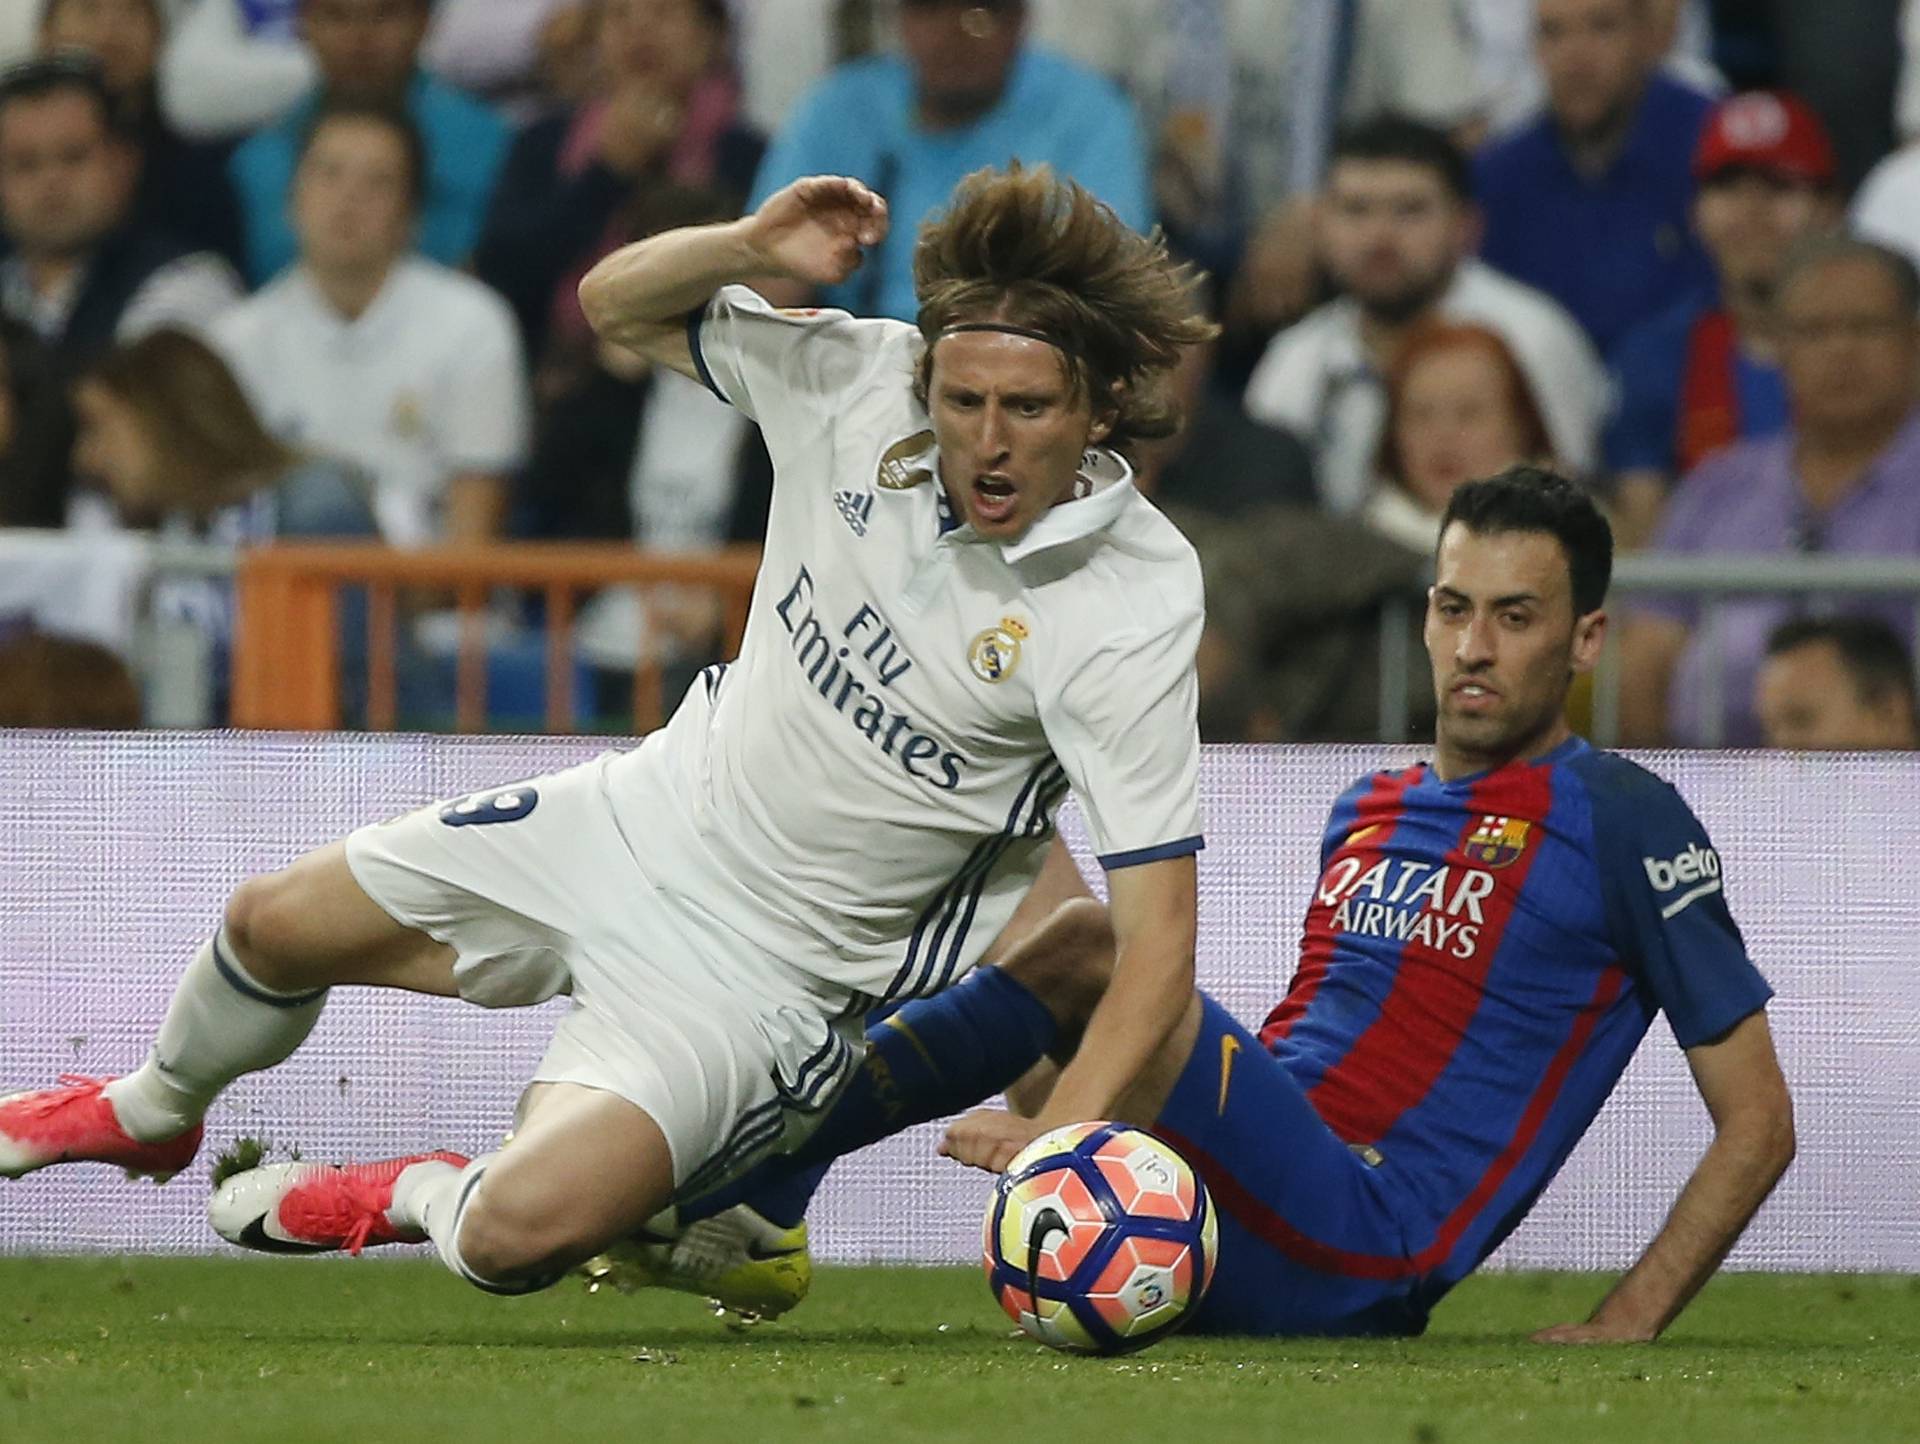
x,y
1492,933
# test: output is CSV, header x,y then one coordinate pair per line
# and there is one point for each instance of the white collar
x,y
1398,517
316,299
1106,487
45,313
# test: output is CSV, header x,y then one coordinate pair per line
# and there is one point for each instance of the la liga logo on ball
x,y
1099,1239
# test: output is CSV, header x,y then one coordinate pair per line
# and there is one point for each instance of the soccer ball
x,y
1099,1239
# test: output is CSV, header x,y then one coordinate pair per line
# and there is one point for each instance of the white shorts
x,y
539,892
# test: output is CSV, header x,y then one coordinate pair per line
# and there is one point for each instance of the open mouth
x,y
994,498
1474,694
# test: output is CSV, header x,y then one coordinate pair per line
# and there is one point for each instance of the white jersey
x,y
869,789
424,385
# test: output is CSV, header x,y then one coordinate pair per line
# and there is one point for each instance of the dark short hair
x,y
155,7
1533,499
1390,136
1829,247
67,72
394,117
1872,653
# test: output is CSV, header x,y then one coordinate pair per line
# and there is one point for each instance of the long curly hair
x,y
1025,247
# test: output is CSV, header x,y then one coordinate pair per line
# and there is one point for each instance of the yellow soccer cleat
x,y
748,1268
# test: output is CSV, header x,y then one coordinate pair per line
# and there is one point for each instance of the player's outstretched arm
x,y
1739,1078
1154,909
812,231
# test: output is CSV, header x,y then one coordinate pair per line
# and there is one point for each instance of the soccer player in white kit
x,y
963,610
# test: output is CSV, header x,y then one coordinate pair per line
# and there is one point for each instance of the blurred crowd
x,y
306,268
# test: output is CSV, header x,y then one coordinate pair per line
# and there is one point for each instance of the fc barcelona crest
x,y
1497,841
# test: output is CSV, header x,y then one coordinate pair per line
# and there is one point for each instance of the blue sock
x,y
933,1057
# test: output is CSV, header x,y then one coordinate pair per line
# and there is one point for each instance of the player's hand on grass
x,y
988,1138
814,229
1594,1333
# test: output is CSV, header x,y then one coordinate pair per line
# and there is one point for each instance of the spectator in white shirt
x,y
405,368
1396,229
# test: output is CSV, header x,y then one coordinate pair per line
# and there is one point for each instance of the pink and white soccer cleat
x,y
74,1122
316,1207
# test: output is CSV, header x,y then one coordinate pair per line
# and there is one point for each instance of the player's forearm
x,y
658,280
1152,983
1731,1181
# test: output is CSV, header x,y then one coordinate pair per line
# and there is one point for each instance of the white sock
x,y
221,1023
435,1197
424,1196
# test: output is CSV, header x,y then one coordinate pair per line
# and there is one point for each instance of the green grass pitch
x,y
219,1350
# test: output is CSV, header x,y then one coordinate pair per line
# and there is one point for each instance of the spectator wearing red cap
x,y
1704,373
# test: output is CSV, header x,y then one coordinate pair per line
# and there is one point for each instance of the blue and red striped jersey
x,y
1480,960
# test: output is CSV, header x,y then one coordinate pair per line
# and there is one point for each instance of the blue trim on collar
x,y
943,511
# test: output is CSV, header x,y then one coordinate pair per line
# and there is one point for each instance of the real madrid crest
x,y
408,418
996,652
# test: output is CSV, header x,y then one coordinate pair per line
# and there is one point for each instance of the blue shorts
x,y
1309,1241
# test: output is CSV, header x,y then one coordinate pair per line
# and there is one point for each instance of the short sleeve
x,y
485,422
1666,904
1123,723
1573,387
1286,386
1883,208
760,359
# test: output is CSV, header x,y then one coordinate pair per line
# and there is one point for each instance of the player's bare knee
x,y
489,1246
506,1243
263,923
510,1233
1067,961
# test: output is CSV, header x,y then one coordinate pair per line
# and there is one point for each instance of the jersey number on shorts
x,y
509,804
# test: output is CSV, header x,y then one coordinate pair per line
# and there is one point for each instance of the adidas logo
x,y
856,507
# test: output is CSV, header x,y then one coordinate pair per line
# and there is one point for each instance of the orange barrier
x,y
286,652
